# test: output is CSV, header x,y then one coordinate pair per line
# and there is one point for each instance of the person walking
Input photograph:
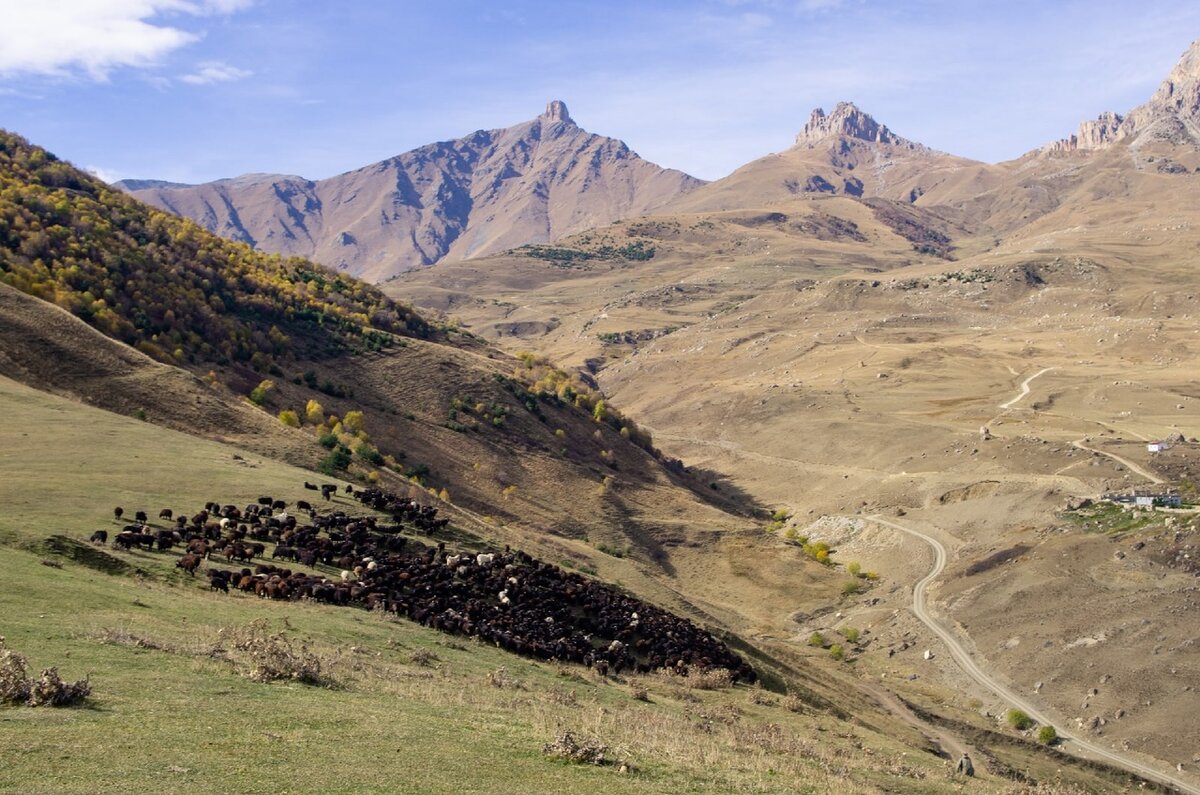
x,y
964,766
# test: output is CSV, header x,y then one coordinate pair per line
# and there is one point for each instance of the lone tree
x,y
1018,719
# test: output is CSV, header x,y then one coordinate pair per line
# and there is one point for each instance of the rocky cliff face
x,y
1172,114
848,122
486,192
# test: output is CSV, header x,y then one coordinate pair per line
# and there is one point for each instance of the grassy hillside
x,y
236,342
403,708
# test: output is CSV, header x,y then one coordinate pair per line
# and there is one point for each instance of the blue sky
x,y
192,90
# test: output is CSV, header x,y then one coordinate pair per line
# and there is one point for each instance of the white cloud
x,y
102,174
93,37
210,72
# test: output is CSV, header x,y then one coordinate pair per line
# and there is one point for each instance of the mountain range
x,y
887,389
547,178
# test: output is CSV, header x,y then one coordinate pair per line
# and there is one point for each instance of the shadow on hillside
x,y
717,489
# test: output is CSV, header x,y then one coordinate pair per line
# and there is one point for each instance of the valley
x,y
866,422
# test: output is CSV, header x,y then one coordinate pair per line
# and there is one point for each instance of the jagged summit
x,y
556,110
847,121
1172,114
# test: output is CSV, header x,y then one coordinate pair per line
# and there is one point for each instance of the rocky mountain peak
x,y
846,121
1181,90
556,110
1172,114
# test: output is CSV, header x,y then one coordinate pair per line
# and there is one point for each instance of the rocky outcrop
x,y
1172,114
848,122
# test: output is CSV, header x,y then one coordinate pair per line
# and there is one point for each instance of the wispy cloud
x,y
102,173
210,72
94,37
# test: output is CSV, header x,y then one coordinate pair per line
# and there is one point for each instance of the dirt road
x,y
1076,745
1120,460
1024,389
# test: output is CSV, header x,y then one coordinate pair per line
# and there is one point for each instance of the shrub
x,y
501,678
589,752
854,567
258,395
314,413
338,459
353,422
837,652
851,634
52,691
711,679
369,454
1047,736
327,440
272,656
616,552
289,418
15,686
816,639
1018,719
48,690
850,588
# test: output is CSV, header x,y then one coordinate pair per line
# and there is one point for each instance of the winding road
x,y
1024,389
960,655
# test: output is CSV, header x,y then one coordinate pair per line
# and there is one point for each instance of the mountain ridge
x,y
485,192
1172,114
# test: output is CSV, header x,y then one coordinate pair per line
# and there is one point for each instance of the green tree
x,y
289,418
369,454
1018,719
1047,735
337,460
258,395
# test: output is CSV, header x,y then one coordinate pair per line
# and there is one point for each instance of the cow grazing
x,y
99,537
218,580
189,563
166,513
118,512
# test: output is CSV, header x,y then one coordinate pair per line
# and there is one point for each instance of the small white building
x,y
1150,499
1157,447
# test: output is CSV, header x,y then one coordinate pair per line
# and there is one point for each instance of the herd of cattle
x,y
507,598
